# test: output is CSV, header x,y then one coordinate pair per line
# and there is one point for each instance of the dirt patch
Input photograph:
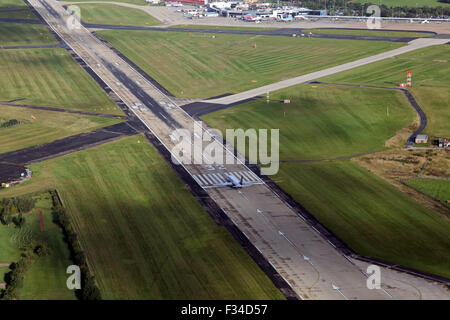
x,y
396,166
2,265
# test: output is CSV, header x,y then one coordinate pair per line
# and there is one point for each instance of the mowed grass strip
x,y
46,279
17,34
375,33
50,77
144,234
37,127
438,189
16,9
430,69
198,65
116,15
370,215
322,121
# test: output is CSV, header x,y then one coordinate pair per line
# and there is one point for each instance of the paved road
x,y
20,21
67,145
306,260
413,45
43,46
27,106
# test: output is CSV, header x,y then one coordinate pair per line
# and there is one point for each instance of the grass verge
x,y
50,77
38,127
144,234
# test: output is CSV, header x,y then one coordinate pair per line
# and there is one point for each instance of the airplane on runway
x,y
233,182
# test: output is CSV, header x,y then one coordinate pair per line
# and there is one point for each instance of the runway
x,y
301,255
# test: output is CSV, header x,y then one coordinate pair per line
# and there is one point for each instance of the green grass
x,y
50,77
430,78
144,234
438,189
322,121
370,215
409,3
116,15
365,32
197,65
45,127
15,9
17,34
46,279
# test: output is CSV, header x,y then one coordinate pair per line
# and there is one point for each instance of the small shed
x,y
421,138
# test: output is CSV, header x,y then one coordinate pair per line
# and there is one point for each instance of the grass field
x,y
144,234
366,32
46,126
322,121
197,65
116,15
409,3
438,189
369,214
50,77
17,34
46,279
15,9
430,77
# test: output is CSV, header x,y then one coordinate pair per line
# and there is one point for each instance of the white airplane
x,y
425,21
233,182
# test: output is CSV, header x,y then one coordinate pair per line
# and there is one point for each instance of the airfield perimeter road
x,y
312,267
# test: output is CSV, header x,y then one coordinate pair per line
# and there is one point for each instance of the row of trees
x,y
12,209
89,289
14,278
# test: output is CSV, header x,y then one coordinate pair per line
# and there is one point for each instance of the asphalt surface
x,y
10,172
285,32
67,145
24,21
59,45
272,226
197,109
27,106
